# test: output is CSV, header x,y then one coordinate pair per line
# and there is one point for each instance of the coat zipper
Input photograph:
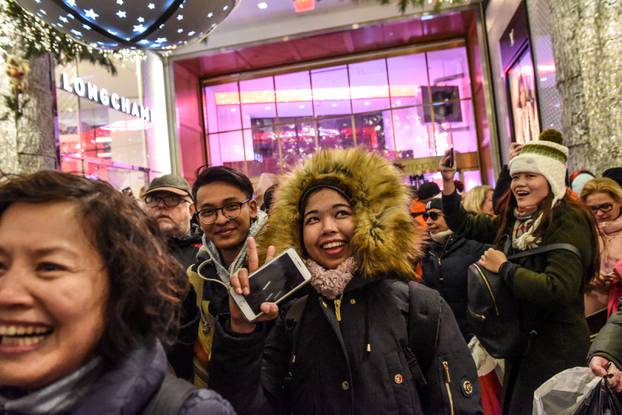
x,y
338,307
487,284
448,387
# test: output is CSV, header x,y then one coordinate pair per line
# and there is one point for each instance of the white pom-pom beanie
x,y
546,156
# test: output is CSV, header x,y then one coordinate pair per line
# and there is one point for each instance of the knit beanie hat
x,y
546,156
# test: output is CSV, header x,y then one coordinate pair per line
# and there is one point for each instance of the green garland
x,y
438,4
37,38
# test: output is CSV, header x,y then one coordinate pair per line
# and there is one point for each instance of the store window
x,y
102,124
409,107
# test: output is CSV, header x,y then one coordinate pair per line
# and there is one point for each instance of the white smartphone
x,y
273,282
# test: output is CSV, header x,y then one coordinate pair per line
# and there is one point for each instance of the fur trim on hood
x,y
386,239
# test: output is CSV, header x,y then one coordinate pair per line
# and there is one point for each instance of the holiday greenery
x,y
34,38
438,4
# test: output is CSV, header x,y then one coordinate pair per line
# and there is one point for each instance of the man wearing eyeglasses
x,y
446,261
168,200
228,215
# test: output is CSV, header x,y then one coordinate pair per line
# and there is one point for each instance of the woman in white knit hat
x,y
548,287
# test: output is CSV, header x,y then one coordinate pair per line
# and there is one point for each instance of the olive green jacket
x,y
608,343
549,292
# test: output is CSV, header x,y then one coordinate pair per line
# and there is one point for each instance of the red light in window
x,y
304,5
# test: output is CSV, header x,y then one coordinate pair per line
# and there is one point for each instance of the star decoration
x,y
180,17
76,32
71,3
139,28
63,19
120,2
141,19
86,27
180,30
43,11
160,40
71,16
151,6
209,15
122,14
191,33
91,14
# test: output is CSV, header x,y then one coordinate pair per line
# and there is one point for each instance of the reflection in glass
x,y
258,100
404,107
407,77
335,132
331,93
223,107
369,86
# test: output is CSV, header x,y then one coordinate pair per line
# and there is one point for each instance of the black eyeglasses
x,y
432,215
168,200
230,210
605,207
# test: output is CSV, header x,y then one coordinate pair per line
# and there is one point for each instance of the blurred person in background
x,y
169,202
478,200
603,197
84,312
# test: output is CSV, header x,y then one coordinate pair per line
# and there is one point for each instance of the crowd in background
x,y
107,303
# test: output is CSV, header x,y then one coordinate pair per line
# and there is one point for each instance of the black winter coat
x,y
348,356
445,268
180,355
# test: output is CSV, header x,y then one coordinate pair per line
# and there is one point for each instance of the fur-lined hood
x,y
385,239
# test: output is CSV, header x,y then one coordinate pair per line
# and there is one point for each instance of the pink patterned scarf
x,y
331,282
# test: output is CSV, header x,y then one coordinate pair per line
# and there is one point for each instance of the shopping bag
x,y
564,392
601,401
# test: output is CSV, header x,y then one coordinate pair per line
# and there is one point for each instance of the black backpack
x,y
170,397
492,310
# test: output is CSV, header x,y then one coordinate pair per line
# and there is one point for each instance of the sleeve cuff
x,y
507,271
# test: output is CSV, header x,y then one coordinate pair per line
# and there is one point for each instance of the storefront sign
x,y
101,95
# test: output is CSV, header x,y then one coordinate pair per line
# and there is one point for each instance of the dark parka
x,y
351,355
333,370
445,266
180,354
549,292
128,387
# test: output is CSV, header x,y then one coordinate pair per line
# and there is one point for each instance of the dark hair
x,y
507,204
146,283
268,198
207,175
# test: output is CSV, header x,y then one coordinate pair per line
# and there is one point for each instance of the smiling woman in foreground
x,y
86,295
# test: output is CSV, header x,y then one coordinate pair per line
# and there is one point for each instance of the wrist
x,y
241,327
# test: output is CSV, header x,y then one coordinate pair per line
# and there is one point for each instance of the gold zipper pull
x,y
338,308
446,369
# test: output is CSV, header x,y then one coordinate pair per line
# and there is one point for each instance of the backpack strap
x,y
424,317
547,248
171,396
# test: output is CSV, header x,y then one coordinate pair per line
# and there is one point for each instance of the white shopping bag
x,y
564,392
484,362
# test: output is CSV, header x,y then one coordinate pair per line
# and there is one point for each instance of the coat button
x,y
398,379
352,301
345,385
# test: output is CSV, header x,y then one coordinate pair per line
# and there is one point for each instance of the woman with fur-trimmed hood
x,y
364,339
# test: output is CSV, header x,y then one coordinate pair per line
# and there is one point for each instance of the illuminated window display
x,y
406,107
102,124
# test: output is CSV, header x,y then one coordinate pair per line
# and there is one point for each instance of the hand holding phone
x,y
239,284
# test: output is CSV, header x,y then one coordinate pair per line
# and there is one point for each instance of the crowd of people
x,y
112,305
